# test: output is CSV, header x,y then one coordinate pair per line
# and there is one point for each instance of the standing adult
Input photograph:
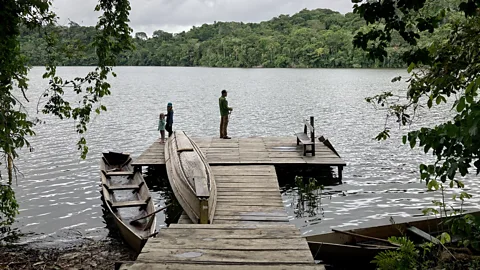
x,y
169,124
224,113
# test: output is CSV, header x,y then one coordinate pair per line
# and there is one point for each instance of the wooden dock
x,y
251,151
250,229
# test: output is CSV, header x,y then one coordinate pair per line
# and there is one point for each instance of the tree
x,y
162,35
112,37
443,71
141,35
293,40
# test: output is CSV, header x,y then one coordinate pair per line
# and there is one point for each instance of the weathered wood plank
x,y
246,181
251,208
263,233
262,218
246,222
213,266
250,213
239,189
238,256
168,242
258,202
234,227
251,193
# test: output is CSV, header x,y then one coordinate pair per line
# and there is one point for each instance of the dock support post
x,y
340,173
312,134
203,211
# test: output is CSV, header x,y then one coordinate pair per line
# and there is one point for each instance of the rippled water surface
x,y
59,193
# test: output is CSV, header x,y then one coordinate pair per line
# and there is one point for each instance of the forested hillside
x,y
310,38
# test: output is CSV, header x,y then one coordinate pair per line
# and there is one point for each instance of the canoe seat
x,y
120,173
129,204
121,187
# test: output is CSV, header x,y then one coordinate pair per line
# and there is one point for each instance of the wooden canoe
x,y
191,178
127,197
360,247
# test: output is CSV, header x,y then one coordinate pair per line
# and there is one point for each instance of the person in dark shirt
x,y
168,126
224,113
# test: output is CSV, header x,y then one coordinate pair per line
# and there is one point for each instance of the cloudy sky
x,y
179,15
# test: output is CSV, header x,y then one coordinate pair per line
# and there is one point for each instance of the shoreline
x,y
83,254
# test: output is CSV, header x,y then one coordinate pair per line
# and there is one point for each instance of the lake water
x,y
59,193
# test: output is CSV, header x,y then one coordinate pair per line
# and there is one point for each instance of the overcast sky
x,y
180,15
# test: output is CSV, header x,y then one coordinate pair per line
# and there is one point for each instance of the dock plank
x,y
255,150
235,256
229,244
210,266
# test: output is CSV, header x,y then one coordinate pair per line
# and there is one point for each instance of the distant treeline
x,y
310,38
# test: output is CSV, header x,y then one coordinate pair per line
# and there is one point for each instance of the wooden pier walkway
x,y
250,229
251,151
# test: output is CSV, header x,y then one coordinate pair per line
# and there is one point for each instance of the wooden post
x,y
312,134
340,175
203,211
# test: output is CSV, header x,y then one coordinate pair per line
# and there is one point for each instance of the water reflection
x,y
157,181
308,198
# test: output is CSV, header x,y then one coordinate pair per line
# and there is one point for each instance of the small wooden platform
x,y
250,230
249,151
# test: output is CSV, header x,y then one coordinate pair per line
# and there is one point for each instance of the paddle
x,y
428,237
151,214
366,237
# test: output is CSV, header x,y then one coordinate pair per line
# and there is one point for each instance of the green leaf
x,y
461,104
469,99
445,238
411,67
413,142
404,139
433,184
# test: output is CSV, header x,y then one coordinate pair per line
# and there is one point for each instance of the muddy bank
x,y
87,254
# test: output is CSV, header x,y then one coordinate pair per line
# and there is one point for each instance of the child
x,y
161,127
169,124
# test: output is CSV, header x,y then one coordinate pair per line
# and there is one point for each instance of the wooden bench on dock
x,y
305,139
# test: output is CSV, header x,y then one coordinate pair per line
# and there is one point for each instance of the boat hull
x,y
126,197
191,178
334,247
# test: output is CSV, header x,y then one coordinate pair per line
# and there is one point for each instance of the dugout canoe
x,y
127,198
191,178
361,245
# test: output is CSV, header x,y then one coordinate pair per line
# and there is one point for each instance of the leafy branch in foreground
x,y
113,37
441,72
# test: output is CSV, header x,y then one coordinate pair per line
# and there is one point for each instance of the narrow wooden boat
x,y
358,247
127,197
191,178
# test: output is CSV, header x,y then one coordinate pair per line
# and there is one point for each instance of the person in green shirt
x,y
224,113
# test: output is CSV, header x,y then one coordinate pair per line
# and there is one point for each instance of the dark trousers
x,y
223,126
168,128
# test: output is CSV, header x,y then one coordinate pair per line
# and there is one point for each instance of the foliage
x,y
443,70
309,196
310,38
403,259
8,205
468,227
112,37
